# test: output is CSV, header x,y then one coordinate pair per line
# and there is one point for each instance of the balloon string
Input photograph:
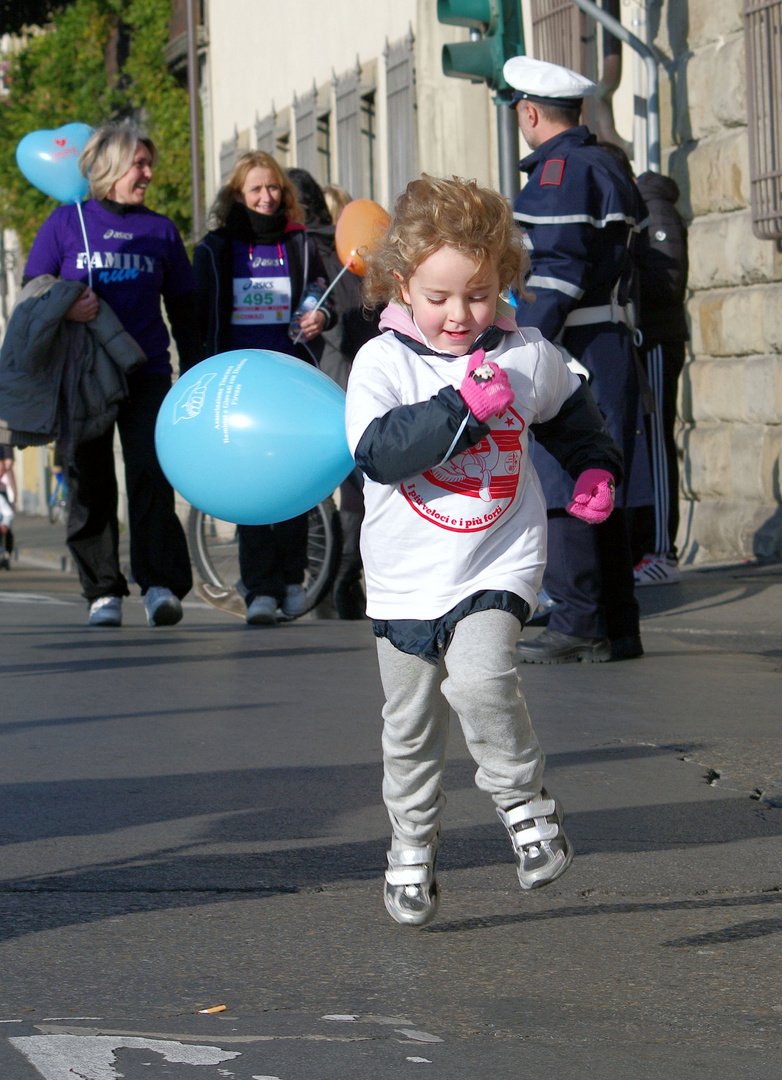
x,y
86,244
317,307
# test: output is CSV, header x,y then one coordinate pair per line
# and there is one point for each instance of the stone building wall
x,y
731,391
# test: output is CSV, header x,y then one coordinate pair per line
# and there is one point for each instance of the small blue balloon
x,y
50,161
253,436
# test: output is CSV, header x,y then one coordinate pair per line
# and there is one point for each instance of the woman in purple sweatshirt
x,y
130,257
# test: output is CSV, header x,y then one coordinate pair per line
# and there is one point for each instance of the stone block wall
x,y
730,434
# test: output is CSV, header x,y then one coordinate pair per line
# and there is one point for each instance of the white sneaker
x,y
295,602
262,611
162,607
656,570
106,611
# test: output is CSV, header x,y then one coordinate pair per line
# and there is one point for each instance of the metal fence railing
x,y
763,46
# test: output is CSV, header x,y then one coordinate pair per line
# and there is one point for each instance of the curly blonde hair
x,y
231,192
434,213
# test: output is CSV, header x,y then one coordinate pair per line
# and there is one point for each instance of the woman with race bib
x,y
254,273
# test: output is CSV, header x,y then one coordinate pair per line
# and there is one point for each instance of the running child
x,y
439,407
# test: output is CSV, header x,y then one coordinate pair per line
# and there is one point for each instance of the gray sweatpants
x,y
477,679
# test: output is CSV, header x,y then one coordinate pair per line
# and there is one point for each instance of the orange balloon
x,y
360,227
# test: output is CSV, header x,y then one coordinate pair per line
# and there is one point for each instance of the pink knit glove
x,y
593,496
485,388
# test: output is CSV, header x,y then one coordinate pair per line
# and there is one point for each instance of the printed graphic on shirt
x,y
472,491
116,265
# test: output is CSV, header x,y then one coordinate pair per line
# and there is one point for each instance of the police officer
x,y
581,214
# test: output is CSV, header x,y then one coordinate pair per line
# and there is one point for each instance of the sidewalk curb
x,y
41,560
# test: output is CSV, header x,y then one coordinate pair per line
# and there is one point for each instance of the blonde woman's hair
x,y
231,192
434,213
336,199
109,154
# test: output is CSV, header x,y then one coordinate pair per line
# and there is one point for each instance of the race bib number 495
x,y
259,301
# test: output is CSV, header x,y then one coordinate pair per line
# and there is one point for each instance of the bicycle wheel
x,y
214,549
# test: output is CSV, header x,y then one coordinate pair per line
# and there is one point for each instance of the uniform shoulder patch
x,y
552,172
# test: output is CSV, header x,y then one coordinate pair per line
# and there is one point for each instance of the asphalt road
x,y
191,817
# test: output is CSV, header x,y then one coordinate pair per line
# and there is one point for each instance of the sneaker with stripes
x,y
656,570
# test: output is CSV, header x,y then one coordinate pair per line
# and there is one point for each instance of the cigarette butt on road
x,y
213,1009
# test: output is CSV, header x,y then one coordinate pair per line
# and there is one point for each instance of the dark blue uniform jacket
x,y
582,215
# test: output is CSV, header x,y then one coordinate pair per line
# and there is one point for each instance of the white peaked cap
x,y
539,79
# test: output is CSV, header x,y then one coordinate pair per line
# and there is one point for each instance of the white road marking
x,y
419,1036
33,598
92,1057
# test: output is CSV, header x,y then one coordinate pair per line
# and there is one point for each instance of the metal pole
x,y
195,147
508,149
3,280
650,60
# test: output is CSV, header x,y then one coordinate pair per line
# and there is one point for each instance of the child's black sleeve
x,y
410,439
578,437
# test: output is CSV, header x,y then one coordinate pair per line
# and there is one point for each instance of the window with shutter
x,y
763,50
348,112
229,151
400,100
266,133
305,111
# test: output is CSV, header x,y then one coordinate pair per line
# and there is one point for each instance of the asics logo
x,y
109,233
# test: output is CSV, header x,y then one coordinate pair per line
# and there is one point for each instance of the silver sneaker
x,y
410,891
106,611
162,607
543,852
262,611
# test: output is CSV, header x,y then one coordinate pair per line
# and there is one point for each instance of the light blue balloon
x,y
50,161
253,436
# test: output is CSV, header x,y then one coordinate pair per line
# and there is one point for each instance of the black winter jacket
x,y
213,266
354,325
662,263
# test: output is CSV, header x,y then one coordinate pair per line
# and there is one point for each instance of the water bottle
x,y
315,290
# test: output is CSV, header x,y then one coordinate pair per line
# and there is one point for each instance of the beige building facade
x,y
354,92
291,93
731,396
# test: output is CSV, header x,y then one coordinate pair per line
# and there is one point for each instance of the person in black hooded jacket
x,y
252,273
354,327
662,267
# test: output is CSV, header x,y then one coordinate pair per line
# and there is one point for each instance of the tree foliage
x,y
63,75
15,14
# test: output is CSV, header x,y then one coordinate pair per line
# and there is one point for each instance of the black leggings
x,y
158,548
273,556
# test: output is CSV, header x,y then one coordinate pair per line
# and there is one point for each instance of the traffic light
x,y
502,36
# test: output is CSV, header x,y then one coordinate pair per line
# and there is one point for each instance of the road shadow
x,y
305,837
710,588
263,805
